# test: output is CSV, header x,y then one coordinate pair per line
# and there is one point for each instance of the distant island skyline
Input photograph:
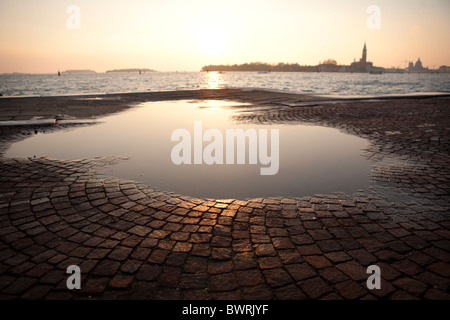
x,y
89,71
328,65
363,65
132,70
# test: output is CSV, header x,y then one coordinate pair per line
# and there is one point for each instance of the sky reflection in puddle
x,y
312,159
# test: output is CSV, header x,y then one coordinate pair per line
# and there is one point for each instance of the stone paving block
x,y
434,294
421,258
241,245
364,257
221,253
440,268
350,290
332,275
318,235
314,287
245,260
407,267
19,286
120,253
223,282
385,291
264,250
170,277
194,281
203,250
94,286
309,250
106,268
337,256
388,272
269,262
277,277
290,256
37,292
353,270
148,272
140,230
98,253
289,292
411,286
131,266
176,259
166,244
219,241
257,293
300,271
121,282
195,265
318,262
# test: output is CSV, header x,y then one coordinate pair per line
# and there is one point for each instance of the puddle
x,y
312,159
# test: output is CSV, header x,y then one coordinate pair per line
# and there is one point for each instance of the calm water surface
x,y
335,84
311,159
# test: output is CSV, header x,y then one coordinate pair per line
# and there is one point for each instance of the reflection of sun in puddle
x,y
218,104
312,159
212,104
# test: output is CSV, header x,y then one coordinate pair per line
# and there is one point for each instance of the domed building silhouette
x,y
417,67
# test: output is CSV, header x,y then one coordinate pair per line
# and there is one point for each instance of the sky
x,y
184,35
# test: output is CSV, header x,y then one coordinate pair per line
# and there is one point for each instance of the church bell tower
x,y
364,54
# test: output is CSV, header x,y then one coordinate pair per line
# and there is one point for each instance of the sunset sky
x,y
182,35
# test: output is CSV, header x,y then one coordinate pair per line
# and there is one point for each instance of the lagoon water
x,y
312,159
328,84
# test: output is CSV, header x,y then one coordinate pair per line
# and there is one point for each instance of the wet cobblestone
x,y
132,241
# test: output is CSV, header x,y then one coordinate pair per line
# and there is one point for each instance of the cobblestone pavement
x,y
134,242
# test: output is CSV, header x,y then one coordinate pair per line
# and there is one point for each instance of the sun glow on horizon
x,y
212,42
184,35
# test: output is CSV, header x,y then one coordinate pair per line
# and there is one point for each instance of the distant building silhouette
x,y
444,69
418,64
329,65
417,67
362,65
364,55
